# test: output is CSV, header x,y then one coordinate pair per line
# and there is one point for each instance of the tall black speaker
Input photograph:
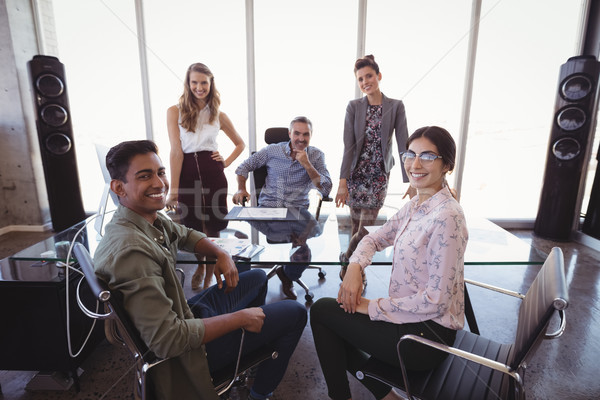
x,y
55,134
574,114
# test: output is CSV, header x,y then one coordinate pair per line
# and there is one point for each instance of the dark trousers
x,y
345,341
202,193
284,323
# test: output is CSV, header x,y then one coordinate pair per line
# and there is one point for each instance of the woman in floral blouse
x,y
426,290
368,127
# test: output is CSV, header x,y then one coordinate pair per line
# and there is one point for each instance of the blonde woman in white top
x,y
198,184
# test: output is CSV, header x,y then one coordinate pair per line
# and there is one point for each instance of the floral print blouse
x,y
367,185
427,279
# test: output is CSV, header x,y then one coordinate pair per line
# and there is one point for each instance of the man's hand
x,y
240,196
301,157
226,267
254,319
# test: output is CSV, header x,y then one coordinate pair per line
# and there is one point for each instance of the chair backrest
x,y
547,294
272,135
119,328
276,135
128,334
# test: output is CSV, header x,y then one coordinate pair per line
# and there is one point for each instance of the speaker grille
x,y
54,115
49,85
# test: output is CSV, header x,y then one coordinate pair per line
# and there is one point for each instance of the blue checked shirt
x,y
287,183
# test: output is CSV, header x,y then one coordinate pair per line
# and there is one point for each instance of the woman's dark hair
x,y
366,61
119,157
442,139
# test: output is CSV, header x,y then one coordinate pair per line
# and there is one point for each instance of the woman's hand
x,y
342,193
218,157
349,295
410,192
172,202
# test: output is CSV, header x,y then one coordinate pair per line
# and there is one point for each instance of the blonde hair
x,y
187,105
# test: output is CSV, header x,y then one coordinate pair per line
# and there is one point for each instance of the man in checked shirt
x,y
293,169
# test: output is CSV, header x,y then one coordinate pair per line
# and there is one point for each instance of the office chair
x,y
278,135
120,331
478,368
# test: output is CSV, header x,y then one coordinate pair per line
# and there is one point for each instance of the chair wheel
x,y
322,274
309,297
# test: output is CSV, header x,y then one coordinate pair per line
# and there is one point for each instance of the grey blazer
x,y
394,119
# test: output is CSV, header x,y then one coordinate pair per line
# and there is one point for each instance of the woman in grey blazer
x,y
367,160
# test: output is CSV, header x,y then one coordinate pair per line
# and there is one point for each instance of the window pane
x,y
98,45
421,50
210,32
305,53
519,55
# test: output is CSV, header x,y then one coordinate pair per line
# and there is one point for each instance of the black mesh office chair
x,y
121,331
278,135
478,368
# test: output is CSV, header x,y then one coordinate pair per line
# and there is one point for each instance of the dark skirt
x,y
202,193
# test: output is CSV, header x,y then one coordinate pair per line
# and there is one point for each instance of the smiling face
x,y
426,177
368,80
300,136
146,186
199,85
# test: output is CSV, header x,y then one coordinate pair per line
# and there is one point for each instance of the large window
x,y
98,45
421,49
304,56
181,33
521,47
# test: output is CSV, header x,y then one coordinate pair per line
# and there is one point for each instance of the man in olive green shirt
x,y
137,257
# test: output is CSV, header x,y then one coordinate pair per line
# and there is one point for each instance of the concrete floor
x,y
565,368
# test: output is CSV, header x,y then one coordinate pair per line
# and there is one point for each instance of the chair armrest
x,y
493,364
323,198
495,288
87,311
561,329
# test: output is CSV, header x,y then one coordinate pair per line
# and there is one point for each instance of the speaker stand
x,y
45,380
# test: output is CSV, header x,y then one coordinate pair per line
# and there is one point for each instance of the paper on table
x,y
372,228
231,245
263,213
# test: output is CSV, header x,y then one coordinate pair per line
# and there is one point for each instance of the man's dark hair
x,y
119,156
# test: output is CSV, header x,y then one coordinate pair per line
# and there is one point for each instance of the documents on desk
x,y
239,249
262,213
239,213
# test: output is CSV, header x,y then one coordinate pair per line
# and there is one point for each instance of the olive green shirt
x,y
138,259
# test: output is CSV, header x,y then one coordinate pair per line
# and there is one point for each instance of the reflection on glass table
x,y
489,244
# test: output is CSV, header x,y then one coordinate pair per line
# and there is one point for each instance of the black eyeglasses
x,y
426,157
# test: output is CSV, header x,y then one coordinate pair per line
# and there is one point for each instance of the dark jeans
x,y
345,341
285,320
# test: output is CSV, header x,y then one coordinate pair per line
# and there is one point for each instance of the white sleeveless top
x,y
205,136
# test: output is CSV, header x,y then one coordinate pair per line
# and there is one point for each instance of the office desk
x,y
36,316
488,245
